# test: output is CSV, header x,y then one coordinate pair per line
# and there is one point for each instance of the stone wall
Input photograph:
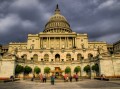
x,y
7,67
110,66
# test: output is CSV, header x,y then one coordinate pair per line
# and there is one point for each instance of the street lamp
x,y
91,60
81,60
113,64
90,69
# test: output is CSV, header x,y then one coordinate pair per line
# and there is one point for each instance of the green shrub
x,y
19,69
95,67
27,69
47,70
87,68
77,69
37,70
67,70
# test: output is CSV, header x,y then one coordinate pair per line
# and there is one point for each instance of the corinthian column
x,y
40,42
65,43
60,42
49,42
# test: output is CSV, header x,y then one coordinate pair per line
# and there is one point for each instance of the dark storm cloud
x,y
99,18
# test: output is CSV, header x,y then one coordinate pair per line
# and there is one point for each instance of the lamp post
x,y
99,57
91,69
91,60
113,64
81,60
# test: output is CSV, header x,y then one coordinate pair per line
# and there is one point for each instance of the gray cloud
x,y
99,18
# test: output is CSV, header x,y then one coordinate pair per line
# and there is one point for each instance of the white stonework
x,y
59,46
7,68
110,65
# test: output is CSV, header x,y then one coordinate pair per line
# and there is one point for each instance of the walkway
x,y
85,84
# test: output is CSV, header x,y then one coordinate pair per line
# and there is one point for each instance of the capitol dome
x,y
57,23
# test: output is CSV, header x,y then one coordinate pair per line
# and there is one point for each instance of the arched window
x,y
90,56
79,56
82,46
57,57
35,57
68,57
25,56
46,57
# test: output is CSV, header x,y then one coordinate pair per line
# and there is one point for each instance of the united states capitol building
x,y
58,47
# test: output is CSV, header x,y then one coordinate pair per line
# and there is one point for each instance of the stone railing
x,y
46,62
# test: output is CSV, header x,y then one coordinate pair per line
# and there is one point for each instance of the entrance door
x,y
57,57
57,71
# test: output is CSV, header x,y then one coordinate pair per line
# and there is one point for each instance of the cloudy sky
x,y
99,18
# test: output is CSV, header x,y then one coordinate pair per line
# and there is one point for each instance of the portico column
x,y
47,45
65,42
54,43
49,42
60,42
74,41
40,42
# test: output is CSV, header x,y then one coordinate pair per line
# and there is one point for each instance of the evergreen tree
x,y
87,68
77,69
27,69
37,70
67,70
47,70
19,69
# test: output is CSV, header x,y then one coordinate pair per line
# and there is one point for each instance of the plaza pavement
x,y
85,84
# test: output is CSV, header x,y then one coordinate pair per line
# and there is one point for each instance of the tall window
x,y
90,56
46,57
32,46
35,57
25,56
68,57
79,56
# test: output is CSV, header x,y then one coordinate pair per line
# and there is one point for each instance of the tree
x,y
27,69
19,69
87,68
95,68
77,69
47,70
37,70
67,70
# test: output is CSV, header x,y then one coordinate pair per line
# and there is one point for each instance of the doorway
x,y
57,58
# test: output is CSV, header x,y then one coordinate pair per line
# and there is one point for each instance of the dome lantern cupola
x,y
57,23
57,11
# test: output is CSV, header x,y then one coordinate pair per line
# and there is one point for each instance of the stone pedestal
x,y
7,68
